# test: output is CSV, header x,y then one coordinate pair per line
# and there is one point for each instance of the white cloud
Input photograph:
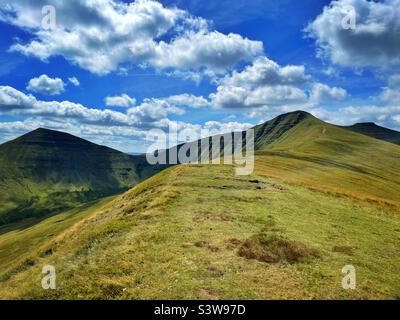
x,y
264,83
150,113
216,127
152,110
46,85
323,93
195,50
75,82
391,93
13,101
374,42
123,101
264,71
188,100
382,115
100,35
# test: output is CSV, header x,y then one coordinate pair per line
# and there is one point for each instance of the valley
x,y
321,197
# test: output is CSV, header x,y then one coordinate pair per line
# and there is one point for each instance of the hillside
x,y
199,232
45,171
321,197
323,156
375,131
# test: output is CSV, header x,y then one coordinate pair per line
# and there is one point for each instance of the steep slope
x,y
45,170
375,131
199,232
270,131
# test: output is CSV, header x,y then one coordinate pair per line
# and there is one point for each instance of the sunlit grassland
x,y
178,234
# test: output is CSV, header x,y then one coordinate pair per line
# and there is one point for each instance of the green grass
x,y
322,156
178,235
321,197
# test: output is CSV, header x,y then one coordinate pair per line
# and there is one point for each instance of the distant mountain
x,y
375,131
45,170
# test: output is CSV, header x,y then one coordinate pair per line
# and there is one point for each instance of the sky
x,y
117,72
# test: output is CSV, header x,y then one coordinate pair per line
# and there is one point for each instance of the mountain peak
x,y
298,112
42,130
42,136
274,129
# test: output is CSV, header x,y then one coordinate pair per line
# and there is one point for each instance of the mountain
x,y
45,171
321,197
375,131
304,149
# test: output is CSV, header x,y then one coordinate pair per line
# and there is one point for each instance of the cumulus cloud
x,y
264,71
74,81
12,99
122,101
150,113
46,85
264,83
323,93
391,94
212,50
373,43
16,102
152,110
100,35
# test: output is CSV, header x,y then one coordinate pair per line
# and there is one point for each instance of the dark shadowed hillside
x,y
46,170
377,132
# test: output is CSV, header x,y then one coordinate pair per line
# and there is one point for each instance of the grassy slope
x,y
177,235
17,240
323,156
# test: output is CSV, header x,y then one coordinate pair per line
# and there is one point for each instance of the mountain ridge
x,y
375,131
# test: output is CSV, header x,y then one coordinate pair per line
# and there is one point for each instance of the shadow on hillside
x,y
30,222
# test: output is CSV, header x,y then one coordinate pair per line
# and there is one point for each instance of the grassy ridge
x,y
325,157
180,234
321,198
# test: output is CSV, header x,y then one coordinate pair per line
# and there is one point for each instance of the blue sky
x,y
111,71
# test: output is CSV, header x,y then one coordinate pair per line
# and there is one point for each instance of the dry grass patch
x,y
271,246
344,249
